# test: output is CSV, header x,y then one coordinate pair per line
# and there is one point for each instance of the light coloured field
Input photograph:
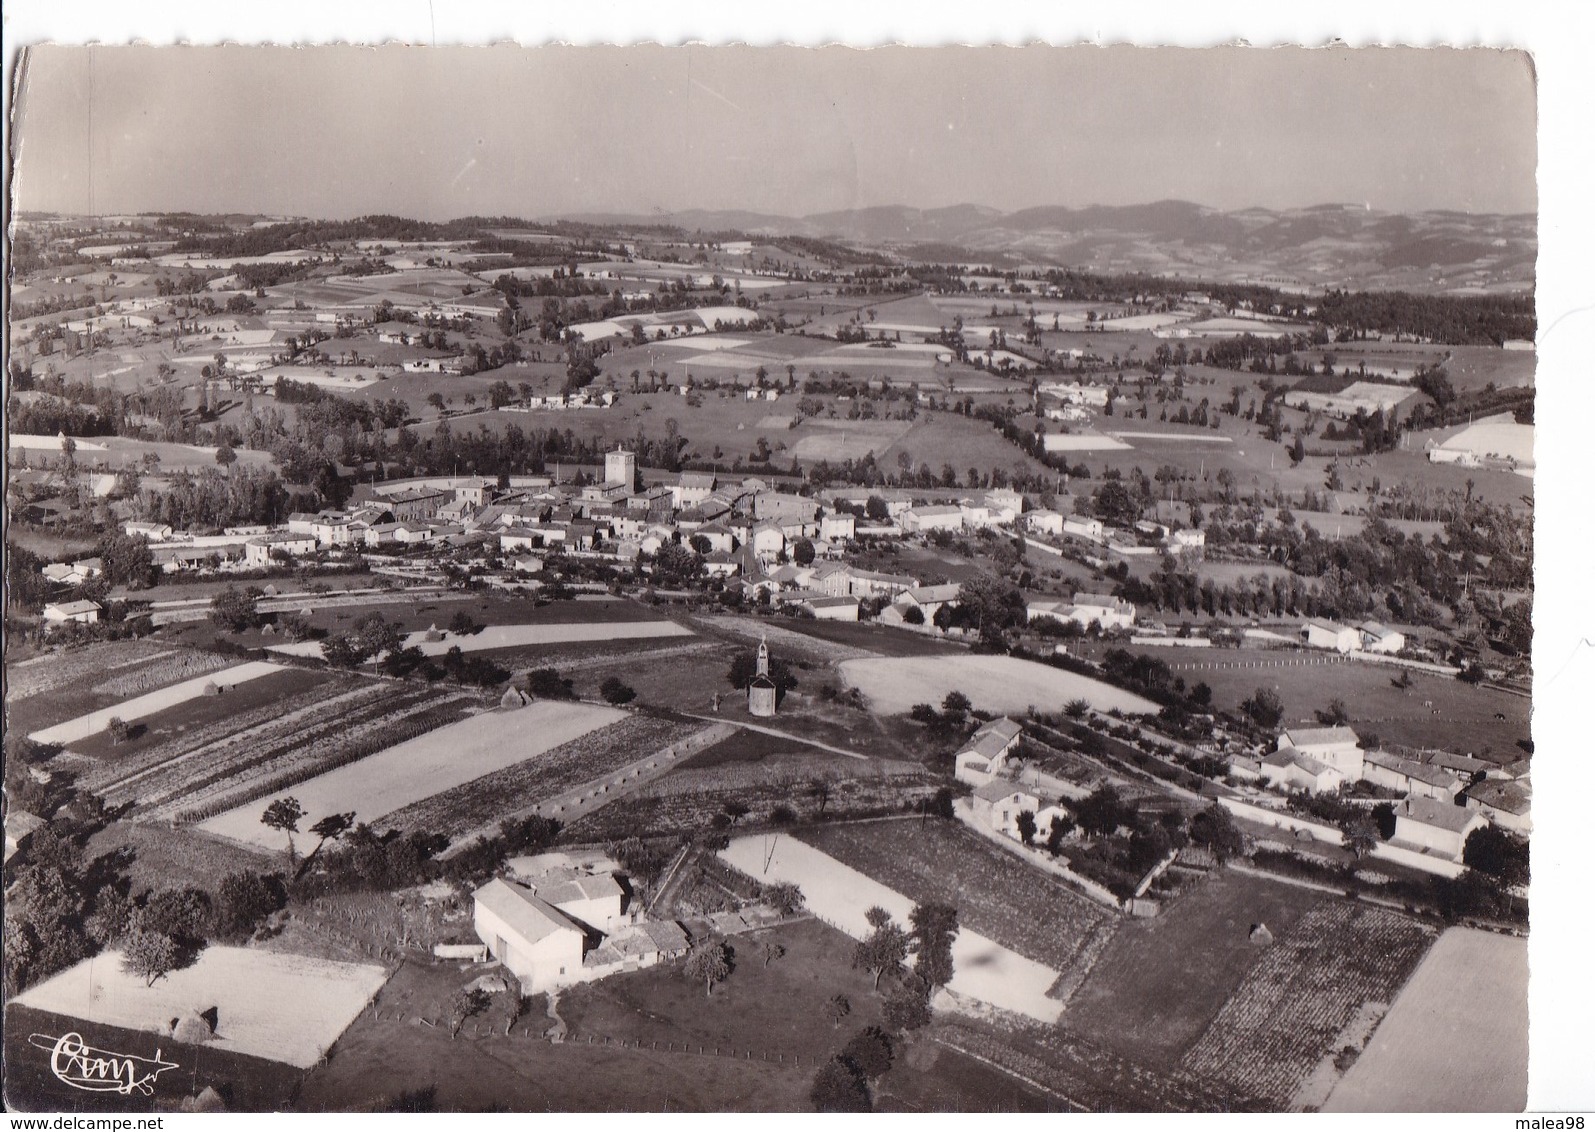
x,y
430,764
1457,1038
1499,438
517,636
992,683
1081,442
982,969
287,1008
139,707
1178,437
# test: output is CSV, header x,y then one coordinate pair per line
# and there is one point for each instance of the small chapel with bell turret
x,y
761,689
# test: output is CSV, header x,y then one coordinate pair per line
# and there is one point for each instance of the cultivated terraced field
x,y
151,704
996,894
687,800
484,800
412,771
233,761
56,688
1314,981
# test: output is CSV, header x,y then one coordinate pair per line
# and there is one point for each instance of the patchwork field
x,y
995,893
982,969
993,683
411,771
1160,983
287,1008
1306,997
155,728
148,704
56,687
483,801
206,770
1457,1038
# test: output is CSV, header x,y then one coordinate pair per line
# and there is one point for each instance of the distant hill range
x,y
1334,245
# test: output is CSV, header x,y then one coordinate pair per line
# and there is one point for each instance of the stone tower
x,y
620,466
761,689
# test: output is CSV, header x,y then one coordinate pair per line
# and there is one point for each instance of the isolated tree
x,y
934,927
837,1007
615,691
785,897
119,729
913,615
1077,708
284,815
225,456
771,951
1265,708
709,961
1026,823
149,955
803,552
330,828
236,609
1360,835
465,1005
883,950
1214,829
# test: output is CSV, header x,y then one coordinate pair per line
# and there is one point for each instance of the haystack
x,y
193,1028
208,1100
1261,936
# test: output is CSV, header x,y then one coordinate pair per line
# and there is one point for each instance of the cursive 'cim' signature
x,y
97,1070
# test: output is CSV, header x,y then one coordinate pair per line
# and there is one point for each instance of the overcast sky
x,y
443,132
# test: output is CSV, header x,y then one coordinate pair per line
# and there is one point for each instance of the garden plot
x,y
1339,963
517,636
893,685
430,764
212,770
982,970
582,761
1457,1038
1024,908
96,721
287,1008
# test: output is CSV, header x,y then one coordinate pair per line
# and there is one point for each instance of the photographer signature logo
x,y
100,1071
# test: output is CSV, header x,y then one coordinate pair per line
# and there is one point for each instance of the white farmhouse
x,y
1321,634
539,944
932,517
1437,828
1338,747
1377,637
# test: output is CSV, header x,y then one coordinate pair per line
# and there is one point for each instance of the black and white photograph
x,y
706,577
